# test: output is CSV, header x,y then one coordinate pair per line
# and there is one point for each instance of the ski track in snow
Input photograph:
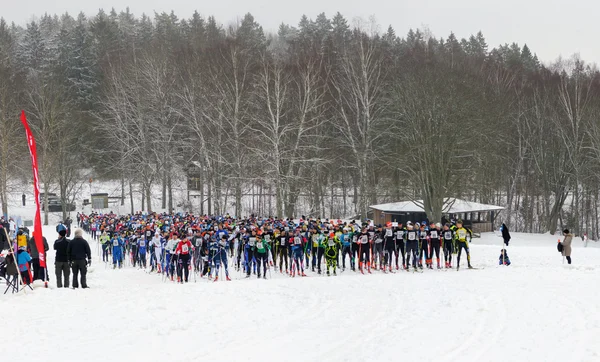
x,y
535,310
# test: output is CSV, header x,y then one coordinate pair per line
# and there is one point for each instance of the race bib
x,y
462,233
185,248
388,233
448,235
379,241
331,242
423,234
399,234
297,241
434,234
364,239
116,243
259,245
142,243
412,236
282,241
267,237
222,243
251,241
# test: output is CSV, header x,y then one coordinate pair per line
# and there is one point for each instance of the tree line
x,y
324,118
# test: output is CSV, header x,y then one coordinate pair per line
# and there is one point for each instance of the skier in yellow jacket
x,y
460,235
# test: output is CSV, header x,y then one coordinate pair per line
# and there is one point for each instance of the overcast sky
x,y
549,27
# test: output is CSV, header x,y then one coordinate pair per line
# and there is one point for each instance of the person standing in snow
x,y
61,262
38,272
220,257
23,259
105,242
297,251
117,251
566,245
332,249
435,243
183,251
261,254
77,252
460,234
364,252
399,237
505,233
142,245
412,246
448,242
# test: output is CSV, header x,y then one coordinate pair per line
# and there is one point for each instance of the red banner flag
x,y
37,226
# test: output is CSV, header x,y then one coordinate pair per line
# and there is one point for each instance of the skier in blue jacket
x,y
117,251
142,246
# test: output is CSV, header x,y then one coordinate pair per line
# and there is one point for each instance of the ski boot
x,y
328,273
469,266
227,278
319,271
334,273
303,274
258,275
265,276
216,279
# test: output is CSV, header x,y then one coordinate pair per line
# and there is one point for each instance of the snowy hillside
x,y
535,310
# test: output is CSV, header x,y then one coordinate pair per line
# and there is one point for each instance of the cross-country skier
x,y
423,246
157,246
364,252
448,242
220,257
262,254
117,251
346,240
412,246
399,237
332,248
297,251
389,246
435,244
461,235
183,251
378,247
282,245
105,242
142,245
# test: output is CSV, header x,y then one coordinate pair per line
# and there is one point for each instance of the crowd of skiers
x,y
175,244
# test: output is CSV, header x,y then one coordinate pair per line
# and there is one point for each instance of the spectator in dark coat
x,y
38,273
78,250
505,234
61,263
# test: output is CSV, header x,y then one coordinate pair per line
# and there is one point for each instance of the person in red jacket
x,y
183,252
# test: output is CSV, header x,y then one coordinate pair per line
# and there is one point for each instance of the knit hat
x,y
565,231
62,232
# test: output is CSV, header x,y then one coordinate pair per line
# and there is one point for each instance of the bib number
x,y
434,234
388,233
259,245
462,234
412,236
331,242
282,242
297,241
251,241
116,243
185,248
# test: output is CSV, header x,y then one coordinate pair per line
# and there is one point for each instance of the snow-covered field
x,y
535,310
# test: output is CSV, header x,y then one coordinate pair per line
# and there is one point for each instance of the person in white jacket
x,y
171,245
155,242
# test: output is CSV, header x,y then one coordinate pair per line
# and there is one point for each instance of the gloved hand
x,y
89,263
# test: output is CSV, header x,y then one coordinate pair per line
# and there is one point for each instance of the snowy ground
x,y
535,310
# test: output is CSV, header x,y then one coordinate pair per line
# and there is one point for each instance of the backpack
x,y
559,246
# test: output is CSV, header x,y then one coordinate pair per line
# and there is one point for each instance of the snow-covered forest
x,y
331,111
